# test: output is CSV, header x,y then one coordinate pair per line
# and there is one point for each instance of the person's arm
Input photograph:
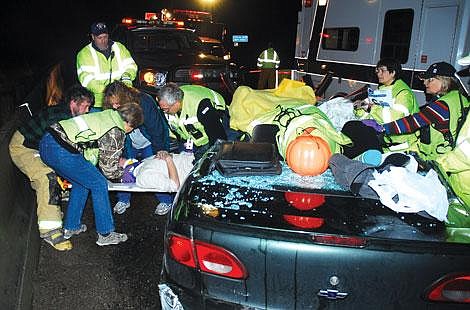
x,y
260,61
276,60
172,172
156,127
111,146
210,118
435,113
86,71
403,105
129,68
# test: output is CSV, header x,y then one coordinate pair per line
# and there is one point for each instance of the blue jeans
x,y
85,178
142,153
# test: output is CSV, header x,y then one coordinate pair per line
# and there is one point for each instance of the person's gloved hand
x,y
128,176
373,124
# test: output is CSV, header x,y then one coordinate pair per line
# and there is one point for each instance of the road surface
x,y
123,276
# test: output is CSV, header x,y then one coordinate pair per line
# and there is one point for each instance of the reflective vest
x,y
86,128
438,143
268,59
456,164
293,119
95,71
400,102
185,124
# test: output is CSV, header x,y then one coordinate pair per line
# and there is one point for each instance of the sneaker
x,y
162,208
121,207
70,232
112,238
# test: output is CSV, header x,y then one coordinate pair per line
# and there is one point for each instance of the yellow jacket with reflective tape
x,y
95,71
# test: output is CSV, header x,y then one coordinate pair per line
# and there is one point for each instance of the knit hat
x,y
99,28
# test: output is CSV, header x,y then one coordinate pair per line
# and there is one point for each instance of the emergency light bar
x,y
150,16
195,15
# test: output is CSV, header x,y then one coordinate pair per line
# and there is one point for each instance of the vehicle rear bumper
x,y
174,297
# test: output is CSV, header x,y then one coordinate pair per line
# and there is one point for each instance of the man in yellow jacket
x,y
103,61
196,114
268,62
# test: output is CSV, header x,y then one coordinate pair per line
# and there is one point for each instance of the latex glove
x,y
373,124
128,176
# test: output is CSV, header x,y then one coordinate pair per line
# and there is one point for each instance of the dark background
x,y
37,33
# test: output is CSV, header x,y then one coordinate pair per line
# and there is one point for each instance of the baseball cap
x,y
99,28
439,68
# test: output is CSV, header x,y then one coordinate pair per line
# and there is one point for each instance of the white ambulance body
x,y
349,37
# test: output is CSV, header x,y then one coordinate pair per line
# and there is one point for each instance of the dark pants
x,y
267,79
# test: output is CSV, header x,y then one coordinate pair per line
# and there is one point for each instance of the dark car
x,y
293,242
165,53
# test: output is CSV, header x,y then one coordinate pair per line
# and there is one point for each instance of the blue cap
x,y
99,28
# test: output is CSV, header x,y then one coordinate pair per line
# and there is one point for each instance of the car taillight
x,y
305,222
217,260
451,288
210,258
196,75
356,242
181,250
304,201
127,21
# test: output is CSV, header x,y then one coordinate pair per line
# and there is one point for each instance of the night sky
x,y
41,32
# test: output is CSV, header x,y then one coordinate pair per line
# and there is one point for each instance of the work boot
x,y
57,240
112,238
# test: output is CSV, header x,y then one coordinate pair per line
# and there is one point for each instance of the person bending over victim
x,y
73,147
146,140
24,146
197,115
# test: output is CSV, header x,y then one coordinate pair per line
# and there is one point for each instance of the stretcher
x,y
128,187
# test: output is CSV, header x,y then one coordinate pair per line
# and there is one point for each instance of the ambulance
x,y
346,38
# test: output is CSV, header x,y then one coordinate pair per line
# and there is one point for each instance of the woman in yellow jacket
x,y
392,100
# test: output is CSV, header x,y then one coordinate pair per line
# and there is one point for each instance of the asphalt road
x,y
123,276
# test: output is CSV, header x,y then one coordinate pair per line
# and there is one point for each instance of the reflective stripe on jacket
x,y
86,128
293,118
268,59
403,104
438,143
186,124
